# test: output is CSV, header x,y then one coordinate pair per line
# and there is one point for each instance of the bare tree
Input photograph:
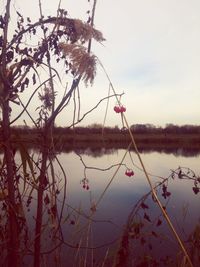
x,y
62,39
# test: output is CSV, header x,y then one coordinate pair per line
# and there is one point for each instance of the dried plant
x,y
20,66
82,63
84,32
47,96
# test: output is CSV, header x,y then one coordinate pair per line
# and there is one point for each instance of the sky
x,y
151,54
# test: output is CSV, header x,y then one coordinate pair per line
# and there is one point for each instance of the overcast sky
x,y
151,53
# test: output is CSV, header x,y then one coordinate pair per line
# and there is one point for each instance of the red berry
x,y
195,190
122,109
117,109
129,173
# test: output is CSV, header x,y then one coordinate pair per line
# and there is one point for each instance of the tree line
x,y
99,129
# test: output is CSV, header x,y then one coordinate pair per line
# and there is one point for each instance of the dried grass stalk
x,y
82,62
84,32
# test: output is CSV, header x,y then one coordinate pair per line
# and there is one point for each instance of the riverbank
x,y
72,139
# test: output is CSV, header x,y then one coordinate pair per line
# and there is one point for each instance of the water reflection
x,y
98,152
113,219
100,149
123,194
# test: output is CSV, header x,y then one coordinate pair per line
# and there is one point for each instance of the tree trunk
x,y
13,233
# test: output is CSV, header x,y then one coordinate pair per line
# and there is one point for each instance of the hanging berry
x,y
85,184
119,109
123,109
129,172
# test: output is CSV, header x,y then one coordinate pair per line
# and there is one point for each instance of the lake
x,y
94,241
109,217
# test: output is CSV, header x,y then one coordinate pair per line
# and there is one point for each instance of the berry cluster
x,y
85,183
119,109
129,172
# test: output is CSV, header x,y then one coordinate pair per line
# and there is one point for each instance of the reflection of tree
x,y
186,152
99,149
96,152
29,60
144,232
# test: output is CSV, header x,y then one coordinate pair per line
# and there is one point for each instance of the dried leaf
x,y
147,217
159,222
144,206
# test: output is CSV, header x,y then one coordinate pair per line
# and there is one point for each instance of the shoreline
x,y
187,144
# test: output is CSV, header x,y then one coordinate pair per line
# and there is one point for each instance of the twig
x,y
89,111
25,107
149,180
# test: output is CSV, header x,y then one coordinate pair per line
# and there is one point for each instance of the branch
x,y
25,107
5,36
89,111
92,24
66,22
60,106
99,169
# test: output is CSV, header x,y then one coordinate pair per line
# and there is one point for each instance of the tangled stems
x,y
154,194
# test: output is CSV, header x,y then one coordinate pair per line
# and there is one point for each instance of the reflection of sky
x,y
124,192
151,53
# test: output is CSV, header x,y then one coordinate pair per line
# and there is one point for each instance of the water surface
x,y
115,205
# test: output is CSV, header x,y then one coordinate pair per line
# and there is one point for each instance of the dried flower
x,y
84,32
47,97
82,62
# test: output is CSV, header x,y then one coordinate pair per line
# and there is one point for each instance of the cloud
x,y
143,36
151,53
